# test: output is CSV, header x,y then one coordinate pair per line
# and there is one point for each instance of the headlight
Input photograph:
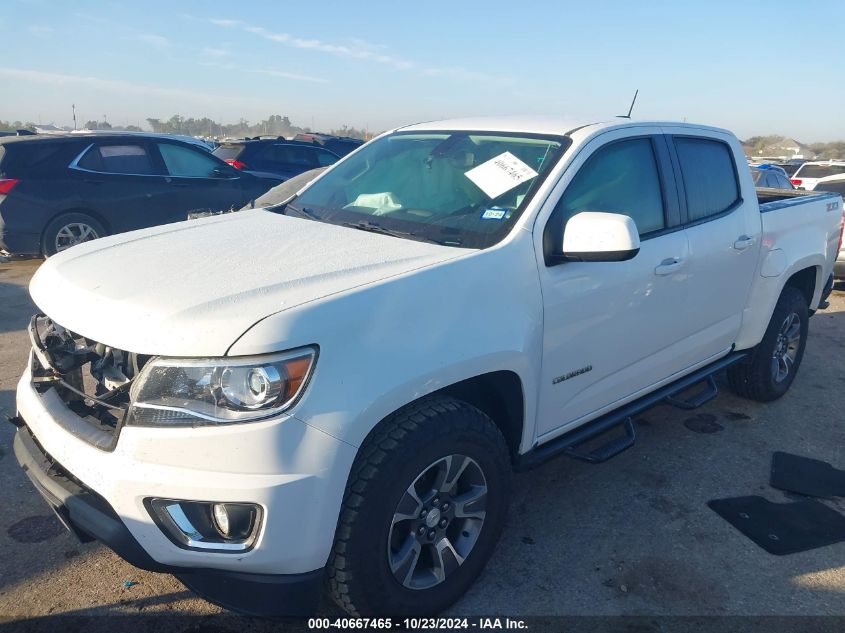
x,y
174,391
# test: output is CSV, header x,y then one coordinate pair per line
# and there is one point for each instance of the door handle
x,y
668,266
743,242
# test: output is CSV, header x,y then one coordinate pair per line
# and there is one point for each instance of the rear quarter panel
x,y
797,234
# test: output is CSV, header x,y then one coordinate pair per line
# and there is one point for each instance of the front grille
x,y
92,379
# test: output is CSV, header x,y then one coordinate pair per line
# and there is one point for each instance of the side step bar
x,y
698,400
568,443
605,451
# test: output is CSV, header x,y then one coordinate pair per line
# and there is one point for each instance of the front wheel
x,y
423,509
775,361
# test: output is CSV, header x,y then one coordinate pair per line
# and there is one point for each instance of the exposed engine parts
x,y
59,359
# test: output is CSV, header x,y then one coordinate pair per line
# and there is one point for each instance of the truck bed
x,y
800,230
772,199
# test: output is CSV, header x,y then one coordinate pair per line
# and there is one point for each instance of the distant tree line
x,y
353,132
105,125
11,126
831,150
834,150
275,125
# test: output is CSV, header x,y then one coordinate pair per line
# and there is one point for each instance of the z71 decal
x,y
832,206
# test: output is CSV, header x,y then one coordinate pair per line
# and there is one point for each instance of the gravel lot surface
x,y
633,536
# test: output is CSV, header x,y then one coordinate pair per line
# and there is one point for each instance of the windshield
x,y
454,188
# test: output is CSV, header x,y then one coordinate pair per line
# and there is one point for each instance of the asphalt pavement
x,y
633,536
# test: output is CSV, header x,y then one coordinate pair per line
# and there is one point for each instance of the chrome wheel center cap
x,y
432,518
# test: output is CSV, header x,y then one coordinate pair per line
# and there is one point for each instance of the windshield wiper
x,y
372,227
304,212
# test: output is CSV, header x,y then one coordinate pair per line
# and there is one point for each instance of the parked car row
x,y
797,175
58,191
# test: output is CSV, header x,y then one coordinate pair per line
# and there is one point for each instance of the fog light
x,y
234,521
221,519
207,525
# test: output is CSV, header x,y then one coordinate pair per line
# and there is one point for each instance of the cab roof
x,y
534,124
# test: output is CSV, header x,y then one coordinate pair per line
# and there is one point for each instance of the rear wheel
x,y
423,509
68,230
775,361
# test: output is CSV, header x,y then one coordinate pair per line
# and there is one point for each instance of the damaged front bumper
x,y
100,479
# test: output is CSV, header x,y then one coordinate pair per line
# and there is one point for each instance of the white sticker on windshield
x,y
500,174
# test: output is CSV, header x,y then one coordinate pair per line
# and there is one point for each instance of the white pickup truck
x,y
333,393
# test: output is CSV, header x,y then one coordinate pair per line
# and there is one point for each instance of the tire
x,y
69,229
413,449
776,359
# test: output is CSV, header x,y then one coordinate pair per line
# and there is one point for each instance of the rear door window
x,y
128,159
186,162
709,176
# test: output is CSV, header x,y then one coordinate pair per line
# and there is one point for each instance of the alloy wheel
x,y
786,347
74,233
437,522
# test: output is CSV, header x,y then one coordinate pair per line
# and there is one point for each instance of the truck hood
x,y
192,288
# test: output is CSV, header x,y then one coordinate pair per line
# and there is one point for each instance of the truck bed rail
x,y
773,199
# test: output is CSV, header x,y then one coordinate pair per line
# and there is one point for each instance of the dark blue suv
x,y
57,191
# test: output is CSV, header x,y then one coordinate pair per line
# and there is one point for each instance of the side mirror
x,y
594,236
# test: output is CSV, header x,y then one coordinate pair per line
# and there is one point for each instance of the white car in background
x,y
810,173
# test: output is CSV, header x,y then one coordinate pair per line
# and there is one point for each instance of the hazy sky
x,y
754,67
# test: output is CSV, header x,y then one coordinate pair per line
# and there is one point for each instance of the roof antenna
x,y
631,109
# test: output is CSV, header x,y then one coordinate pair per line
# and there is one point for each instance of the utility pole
x,y
73,107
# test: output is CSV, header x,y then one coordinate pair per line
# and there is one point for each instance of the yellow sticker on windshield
x,y
500,174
